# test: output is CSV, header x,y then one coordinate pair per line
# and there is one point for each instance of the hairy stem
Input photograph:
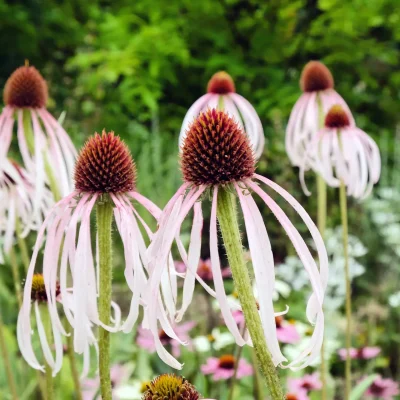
x,y
104,220
343,213
226,210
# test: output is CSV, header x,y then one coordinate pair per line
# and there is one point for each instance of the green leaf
x,y
360,389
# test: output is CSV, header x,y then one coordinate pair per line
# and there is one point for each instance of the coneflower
x,y
221,93
341,152
171,387
105,177
308,114
47,151
217,161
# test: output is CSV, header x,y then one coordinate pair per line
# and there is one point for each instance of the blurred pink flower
x,y
305,383
286,332
91,386
204,270
224,367
363,353
384,389
145,338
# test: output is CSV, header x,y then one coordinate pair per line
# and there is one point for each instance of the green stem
x,y
321,221
16,275
226,210
52,180
6,362
258,392
74,369
22,247
104,220
343,212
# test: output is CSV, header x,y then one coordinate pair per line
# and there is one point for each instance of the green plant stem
x,y
237,359
343,213
16,275
104,220
6,362
74,369
321,221
257,389
226,211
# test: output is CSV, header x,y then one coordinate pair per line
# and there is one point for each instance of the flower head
x,y
38,292
105,165
287,332
308,114
342,152
215,151
316,77
221,83
306,383
171,387
216,156
47,152
300,395
224,367
105,173
385,389
221,93
26,88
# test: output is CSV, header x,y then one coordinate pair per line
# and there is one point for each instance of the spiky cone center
x,y
171,387
221,83
26,88
316,77
105,165
337,118
216,151
291,396
38,291
227,361
278,321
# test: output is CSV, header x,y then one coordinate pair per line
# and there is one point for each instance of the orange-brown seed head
x,y
291,396
315,77
38,291
105,165
25,88
221,83
227,361
337,118
216,151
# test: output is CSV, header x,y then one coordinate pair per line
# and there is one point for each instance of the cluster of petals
x,y
17,196
343,154
363,353
43,145
383,388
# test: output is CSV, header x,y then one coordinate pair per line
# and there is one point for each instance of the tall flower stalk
x,y
227,217
347,158
343,213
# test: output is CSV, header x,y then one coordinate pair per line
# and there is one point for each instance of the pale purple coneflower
x,y
221,93
318,97
145,338
362,353
223,368
341,152
383,388
308,383
104,172
44,145
17,205
217,156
